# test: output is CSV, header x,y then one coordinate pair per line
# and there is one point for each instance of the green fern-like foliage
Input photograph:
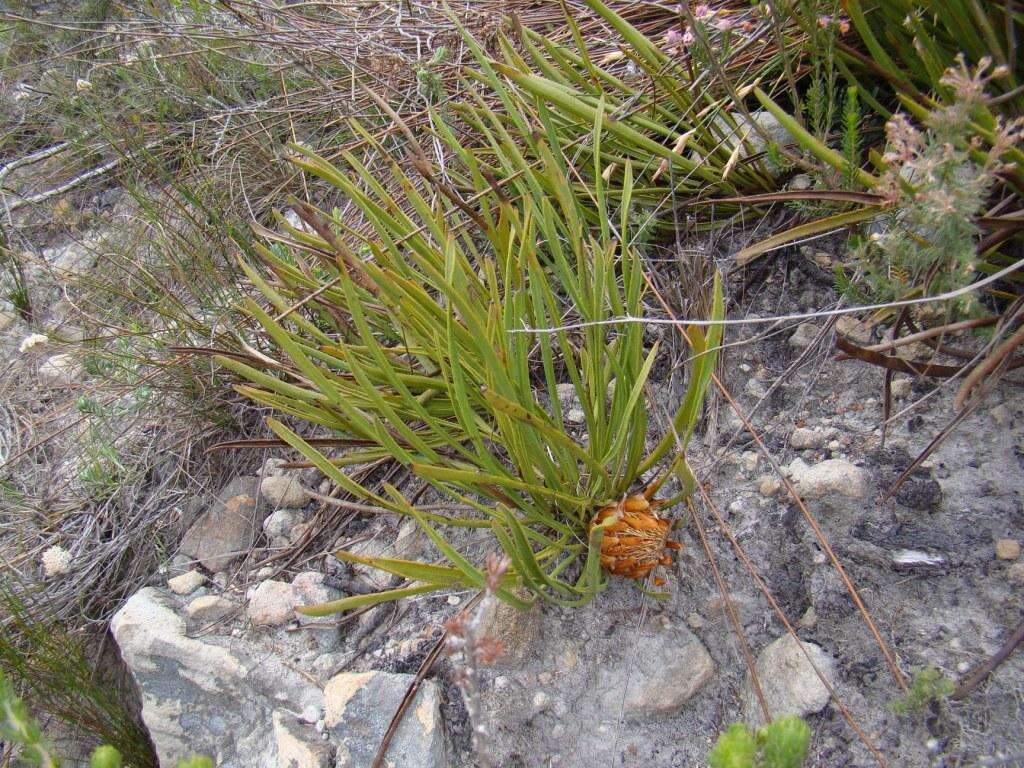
x,y
780,744
736,748
784,742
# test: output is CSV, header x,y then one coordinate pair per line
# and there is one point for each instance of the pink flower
x,y
703,12
826,20
678,40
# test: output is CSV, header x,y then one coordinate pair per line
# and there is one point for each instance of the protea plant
x,y
436,327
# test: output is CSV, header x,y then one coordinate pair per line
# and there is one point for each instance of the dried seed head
x,y
635,541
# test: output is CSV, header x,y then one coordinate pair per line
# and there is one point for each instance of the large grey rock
x,y
310,589
299,745
662,671
517,632
358,707
216,696
228,527
749,132
789,681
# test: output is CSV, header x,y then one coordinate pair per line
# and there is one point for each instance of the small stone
x,y
228,527
544,678
272,603
769,486
209,609
823,259
1015,573
916,560
575,416
516,631
680,666
284,492
358,707
809,620
566,392
755,388
830,477
299,532
804,335
1001,415
541,701
279,525
61,371
311,589
453,600
789,681
272,467
373,547
409,541
1007,549
801,182
749,460
186,583
695,621
854,329
901,387
806,438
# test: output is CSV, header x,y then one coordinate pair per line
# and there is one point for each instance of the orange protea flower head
x,y
636,539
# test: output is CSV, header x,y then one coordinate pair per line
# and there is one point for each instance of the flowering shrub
x,y
937,182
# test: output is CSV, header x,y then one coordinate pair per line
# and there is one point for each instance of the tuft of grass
x,y
40,658
20,730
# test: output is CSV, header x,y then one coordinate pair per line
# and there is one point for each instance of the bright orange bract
x,y
637,539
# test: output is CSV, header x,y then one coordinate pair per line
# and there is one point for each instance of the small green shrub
x,y
928,685
938,181
781,744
